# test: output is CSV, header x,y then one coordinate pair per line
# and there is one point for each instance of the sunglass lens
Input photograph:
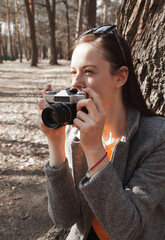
x,y
87,32
104,29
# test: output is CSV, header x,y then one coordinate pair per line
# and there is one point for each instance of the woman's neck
x,y
116,120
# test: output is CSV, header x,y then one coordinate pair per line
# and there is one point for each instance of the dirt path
x,y
23,148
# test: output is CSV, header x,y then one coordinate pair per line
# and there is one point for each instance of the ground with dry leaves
x,y
23,148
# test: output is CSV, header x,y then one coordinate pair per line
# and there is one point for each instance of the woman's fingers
x,y
83,118
89,104
79,124
47,88
96,99
93,104
42,104
93,122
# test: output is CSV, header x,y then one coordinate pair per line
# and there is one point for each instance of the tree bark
x,y
142,24
51,16
30,13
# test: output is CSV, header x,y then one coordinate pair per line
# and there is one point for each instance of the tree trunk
x,y
25,36
44,52
142,24
30,13
4,43
105,4
9,29
79,23
51,17
68,29
90,13
17,31
0,45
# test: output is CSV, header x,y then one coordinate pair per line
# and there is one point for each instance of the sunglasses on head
x,y
103,30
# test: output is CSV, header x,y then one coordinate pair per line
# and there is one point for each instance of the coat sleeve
x,y
63,202
125,211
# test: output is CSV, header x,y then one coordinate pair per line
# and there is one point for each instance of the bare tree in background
x,y
38,29
30,14
79,23
25,35
17,30
9,29
51,10
105,13
90,13
68,28
1,44
142,23
86,16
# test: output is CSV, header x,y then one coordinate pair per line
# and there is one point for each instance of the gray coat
x,y
127,196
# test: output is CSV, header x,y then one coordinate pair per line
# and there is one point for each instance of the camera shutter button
x,y
73,90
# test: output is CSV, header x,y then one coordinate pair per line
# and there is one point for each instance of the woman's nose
x,y
77,82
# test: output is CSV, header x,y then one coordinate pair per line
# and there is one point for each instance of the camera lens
x,y
56,115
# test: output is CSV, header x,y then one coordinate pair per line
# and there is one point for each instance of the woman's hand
x,y
91,126
56,137
50,133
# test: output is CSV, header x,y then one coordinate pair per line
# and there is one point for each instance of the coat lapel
x,y
120,153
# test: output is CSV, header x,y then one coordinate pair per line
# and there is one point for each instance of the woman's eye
x,y
73,72
88,71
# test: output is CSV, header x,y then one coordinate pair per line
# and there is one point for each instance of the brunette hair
x,y
132,95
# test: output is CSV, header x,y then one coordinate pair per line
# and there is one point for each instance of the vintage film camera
x,y
62,109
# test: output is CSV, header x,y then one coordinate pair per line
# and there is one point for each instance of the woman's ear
x,y
122,75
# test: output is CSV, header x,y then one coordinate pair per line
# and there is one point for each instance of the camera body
x,y
62,107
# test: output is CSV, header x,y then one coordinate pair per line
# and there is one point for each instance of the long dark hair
x,y
132,95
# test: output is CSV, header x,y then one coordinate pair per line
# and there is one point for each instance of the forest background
x,y
35,41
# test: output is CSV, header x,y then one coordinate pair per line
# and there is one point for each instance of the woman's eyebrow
x,y
89,65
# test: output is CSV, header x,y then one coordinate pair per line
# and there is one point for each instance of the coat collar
x,y
120,154
133,118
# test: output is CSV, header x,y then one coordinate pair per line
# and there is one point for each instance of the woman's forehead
x,y
88,55
87,51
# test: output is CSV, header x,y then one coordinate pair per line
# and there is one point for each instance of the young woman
x,y
106,174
